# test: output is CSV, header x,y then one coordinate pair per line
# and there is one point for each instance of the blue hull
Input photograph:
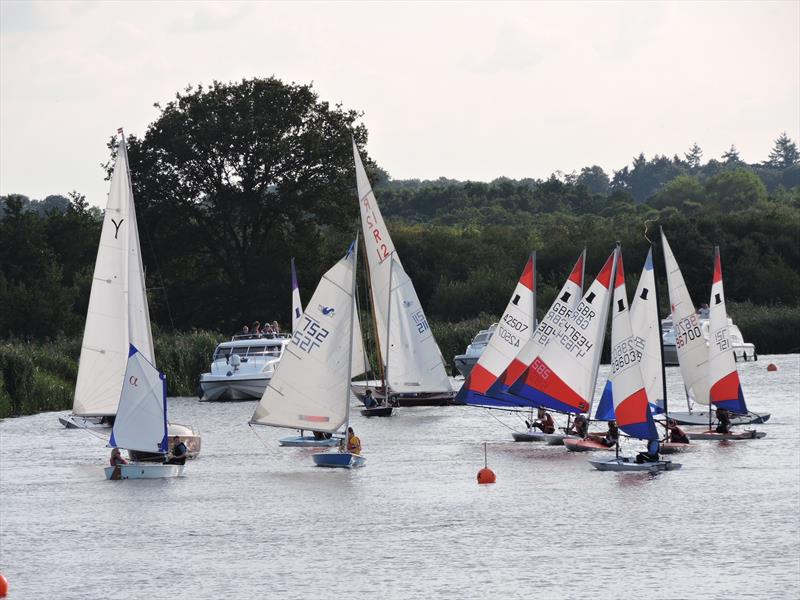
x,y
340,460
309,442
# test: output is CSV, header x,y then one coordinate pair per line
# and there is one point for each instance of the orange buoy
x,y
486,475
3,586
772,367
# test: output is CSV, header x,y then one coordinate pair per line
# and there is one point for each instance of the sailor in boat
x,y
676,435
579,427
611,437
724,418
369,399
353,443
651,455
544,422
320,435
178,452
116,458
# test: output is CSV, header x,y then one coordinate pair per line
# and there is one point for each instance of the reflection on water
x,y
251,519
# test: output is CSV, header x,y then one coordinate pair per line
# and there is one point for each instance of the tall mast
x,y
388,328
371,297
350,351
600,354
534,324
660,335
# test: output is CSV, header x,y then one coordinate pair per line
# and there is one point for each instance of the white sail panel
x,y
359,365
689,341
297,305
514,330
645,323
414,362
117,292
311,384
141,422
420,368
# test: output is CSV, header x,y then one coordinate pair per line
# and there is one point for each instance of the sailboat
x,y
515,329
118,314
631,407
311,387
417,375
724,387
141,422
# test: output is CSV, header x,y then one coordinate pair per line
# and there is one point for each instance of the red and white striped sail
x,y
514,330
725,388
631,407
689,341
645,324
563,376
549,327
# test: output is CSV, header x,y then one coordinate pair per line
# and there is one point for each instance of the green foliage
x,y
773,329
182,357
454,337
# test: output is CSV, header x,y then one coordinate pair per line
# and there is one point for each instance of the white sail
x,y
311,384
118,313
631,407
141,422
689,341
725,389
420,367
359,366
514,330
413,360
644,319
297,305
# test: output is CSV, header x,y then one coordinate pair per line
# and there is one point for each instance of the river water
x,y
252,520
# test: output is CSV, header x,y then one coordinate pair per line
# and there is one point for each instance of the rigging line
x,y
646,221
499,421
263,443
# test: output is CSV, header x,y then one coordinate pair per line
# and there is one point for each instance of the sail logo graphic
x,y
134,381
117,226
420,321
327,311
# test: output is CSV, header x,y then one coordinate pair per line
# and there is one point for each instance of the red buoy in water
x,y
486,475
772,367
3,586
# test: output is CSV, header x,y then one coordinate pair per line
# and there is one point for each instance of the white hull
x,y
465,363
436,398
624,463
233,388
145,471
701,418
747,434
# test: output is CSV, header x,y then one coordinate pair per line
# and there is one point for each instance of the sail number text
x,y
371,221
310,336
628,352
686,330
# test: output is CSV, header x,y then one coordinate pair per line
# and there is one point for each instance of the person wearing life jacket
x,y
675,434
724,418
116,458
544,422
353,443
179,452
579,427
611,437
651,455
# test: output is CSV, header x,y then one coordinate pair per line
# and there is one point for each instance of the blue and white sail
x,y
141,422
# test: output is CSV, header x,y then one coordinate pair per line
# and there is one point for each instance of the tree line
x,y
234,179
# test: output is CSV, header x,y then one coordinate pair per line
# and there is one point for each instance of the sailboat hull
x,y
145,471
378,411
576,444
302,441
747,434
701,418
624,463
441,398
675,447
339,460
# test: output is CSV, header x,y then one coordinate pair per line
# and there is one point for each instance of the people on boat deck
x,y
276,329
116,458
544,422
245,330
178,452
675,434
255,328
579,427
724,418
651,455
611,437
369,400
353,443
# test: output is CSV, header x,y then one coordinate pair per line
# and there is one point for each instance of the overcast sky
x,y
461,90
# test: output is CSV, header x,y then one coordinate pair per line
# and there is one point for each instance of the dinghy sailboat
x,y
141,423
631,407
118,314
417,376
725,389
311,387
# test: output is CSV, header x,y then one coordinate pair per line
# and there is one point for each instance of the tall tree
x,y
731,156
784,153
228,180
694,156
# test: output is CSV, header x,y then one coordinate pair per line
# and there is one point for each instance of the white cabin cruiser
x,y
465,362
242,367
741,350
